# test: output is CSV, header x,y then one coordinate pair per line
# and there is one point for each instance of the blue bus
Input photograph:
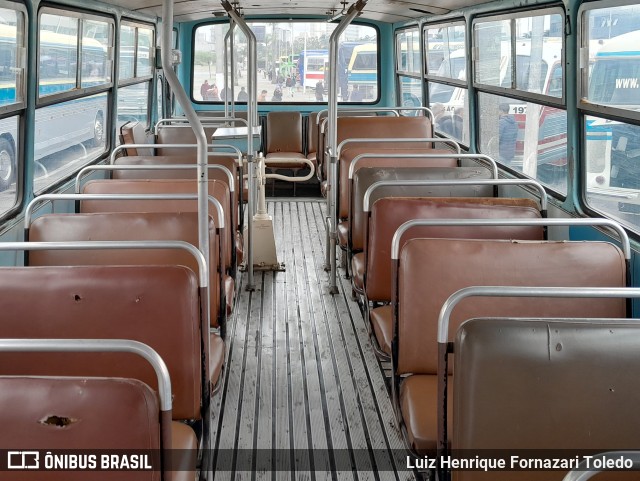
x,y
62,125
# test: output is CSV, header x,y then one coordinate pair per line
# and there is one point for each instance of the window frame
x,y
585,106
12,108
432,77
192,85
78,91
514,92
400,74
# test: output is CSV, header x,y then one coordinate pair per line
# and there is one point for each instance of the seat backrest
x,y
391,212
135,133
344,187
284,132
107,302
552,384
77,413
213,174
384,127
217,189
367,176
312,133
430,270
180,134
129,226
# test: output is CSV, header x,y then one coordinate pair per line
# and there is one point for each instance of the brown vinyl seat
x,y
104,302
180,134
312,140
108,302
457,263
80,413
284,140
322,140
381,165
366,176
546,386
184,135
217,189
372,267
135,133
131,226
213,174
375,128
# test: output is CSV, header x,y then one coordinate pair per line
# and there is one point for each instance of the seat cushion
x,y
419,409
381,319
229,292
343,234
286,160
216,358
239,248
357,271
184,445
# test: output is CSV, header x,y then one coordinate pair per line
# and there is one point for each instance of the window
x,y
518,69
12,92
136,54
446,73
293,63
60,44
610,84
441,42
408,69
408,53
74,78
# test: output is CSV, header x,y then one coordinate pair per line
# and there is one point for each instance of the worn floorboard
x,y
303,396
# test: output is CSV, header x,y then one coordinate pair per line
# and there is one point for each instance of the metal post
x,y
252,118
229,77
332,198
196,125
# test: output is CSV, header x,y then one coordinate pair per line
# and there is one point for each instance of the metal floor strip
x,y
303,395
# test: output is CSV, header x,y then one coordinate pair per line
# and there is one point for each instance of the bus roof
x,y
627,44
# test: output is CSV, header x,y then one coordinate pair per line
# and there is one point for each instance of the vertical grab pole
x,y
228,79
203,188
252,120
196,125
332,198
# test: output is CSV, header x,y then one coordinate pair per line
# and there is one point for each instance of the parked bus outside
x,y
63,125
362,73
613,148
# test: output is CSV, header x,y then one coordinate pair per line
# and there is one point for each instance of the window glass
x,y
528,137
612,39
9,144
537,52
613,168
11,56
493,44
96,65
67,136
132,103
293,63
144,52
127,50
446,52
58,54
408,51
450,107
410,91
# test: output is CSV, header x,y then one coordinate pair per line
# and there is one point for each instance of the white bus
x,y
613,148
61,125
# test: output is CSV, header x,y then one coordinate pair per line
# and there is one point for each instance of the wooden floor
x,y
303,397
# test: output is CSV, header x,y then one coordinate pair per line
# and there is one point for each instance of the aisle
x,y
303,396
